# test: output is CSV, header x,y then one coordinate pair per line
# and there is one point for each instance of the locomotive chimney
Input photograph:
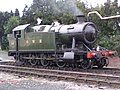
x,y
80,18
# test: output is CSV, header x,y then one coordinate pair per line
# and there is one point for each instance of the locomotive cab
x,y
19,31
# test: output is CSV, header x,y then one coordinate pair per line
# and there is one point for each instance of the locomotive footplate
x,y
68,57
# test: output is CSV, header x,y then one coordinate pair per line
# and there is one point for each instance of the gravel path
x,y
4,56
14,82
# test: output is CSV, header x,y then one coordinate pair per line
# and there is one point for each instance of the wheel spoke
x,y
32,61
86,64
61,64
101,63
44,62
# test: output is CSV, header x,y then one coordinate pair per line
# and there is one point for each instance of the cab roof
x,y
20,27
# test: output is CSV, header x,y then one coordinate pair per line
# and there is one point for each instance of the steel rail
x,y
79,77
110,70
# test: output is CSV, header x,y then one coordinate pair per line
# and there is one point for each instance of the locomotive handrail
x,y
103,18
87,47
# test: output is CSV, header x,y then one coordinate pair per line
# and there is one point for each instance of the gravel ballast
x,y
16,82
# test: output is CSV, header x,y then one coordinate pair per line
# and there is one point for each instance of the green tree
x,y
108,36
12,23
49,10
4,16
28,16
17,12
11,12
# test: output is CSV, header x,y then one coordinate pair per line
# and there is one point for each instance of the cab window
x,y
41,28
17,33
27,30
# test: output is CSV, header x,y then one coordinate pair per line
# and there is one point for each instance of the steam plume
x,y
68,6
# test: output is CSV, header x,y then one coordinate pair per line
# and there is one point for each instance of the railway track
x,y
91,78
113,71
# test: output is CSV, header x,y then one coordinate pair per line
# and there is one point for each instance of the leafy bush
x,y
111,42
4,43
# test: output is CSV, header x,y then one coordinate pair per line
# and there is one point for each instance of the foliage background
x,y
65,11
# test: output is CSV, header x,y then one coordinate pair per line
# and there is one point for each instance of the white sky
x,y
8,5
95,2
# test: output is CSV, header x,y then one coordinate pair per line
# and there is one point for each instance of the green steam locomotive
x,y
58,44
